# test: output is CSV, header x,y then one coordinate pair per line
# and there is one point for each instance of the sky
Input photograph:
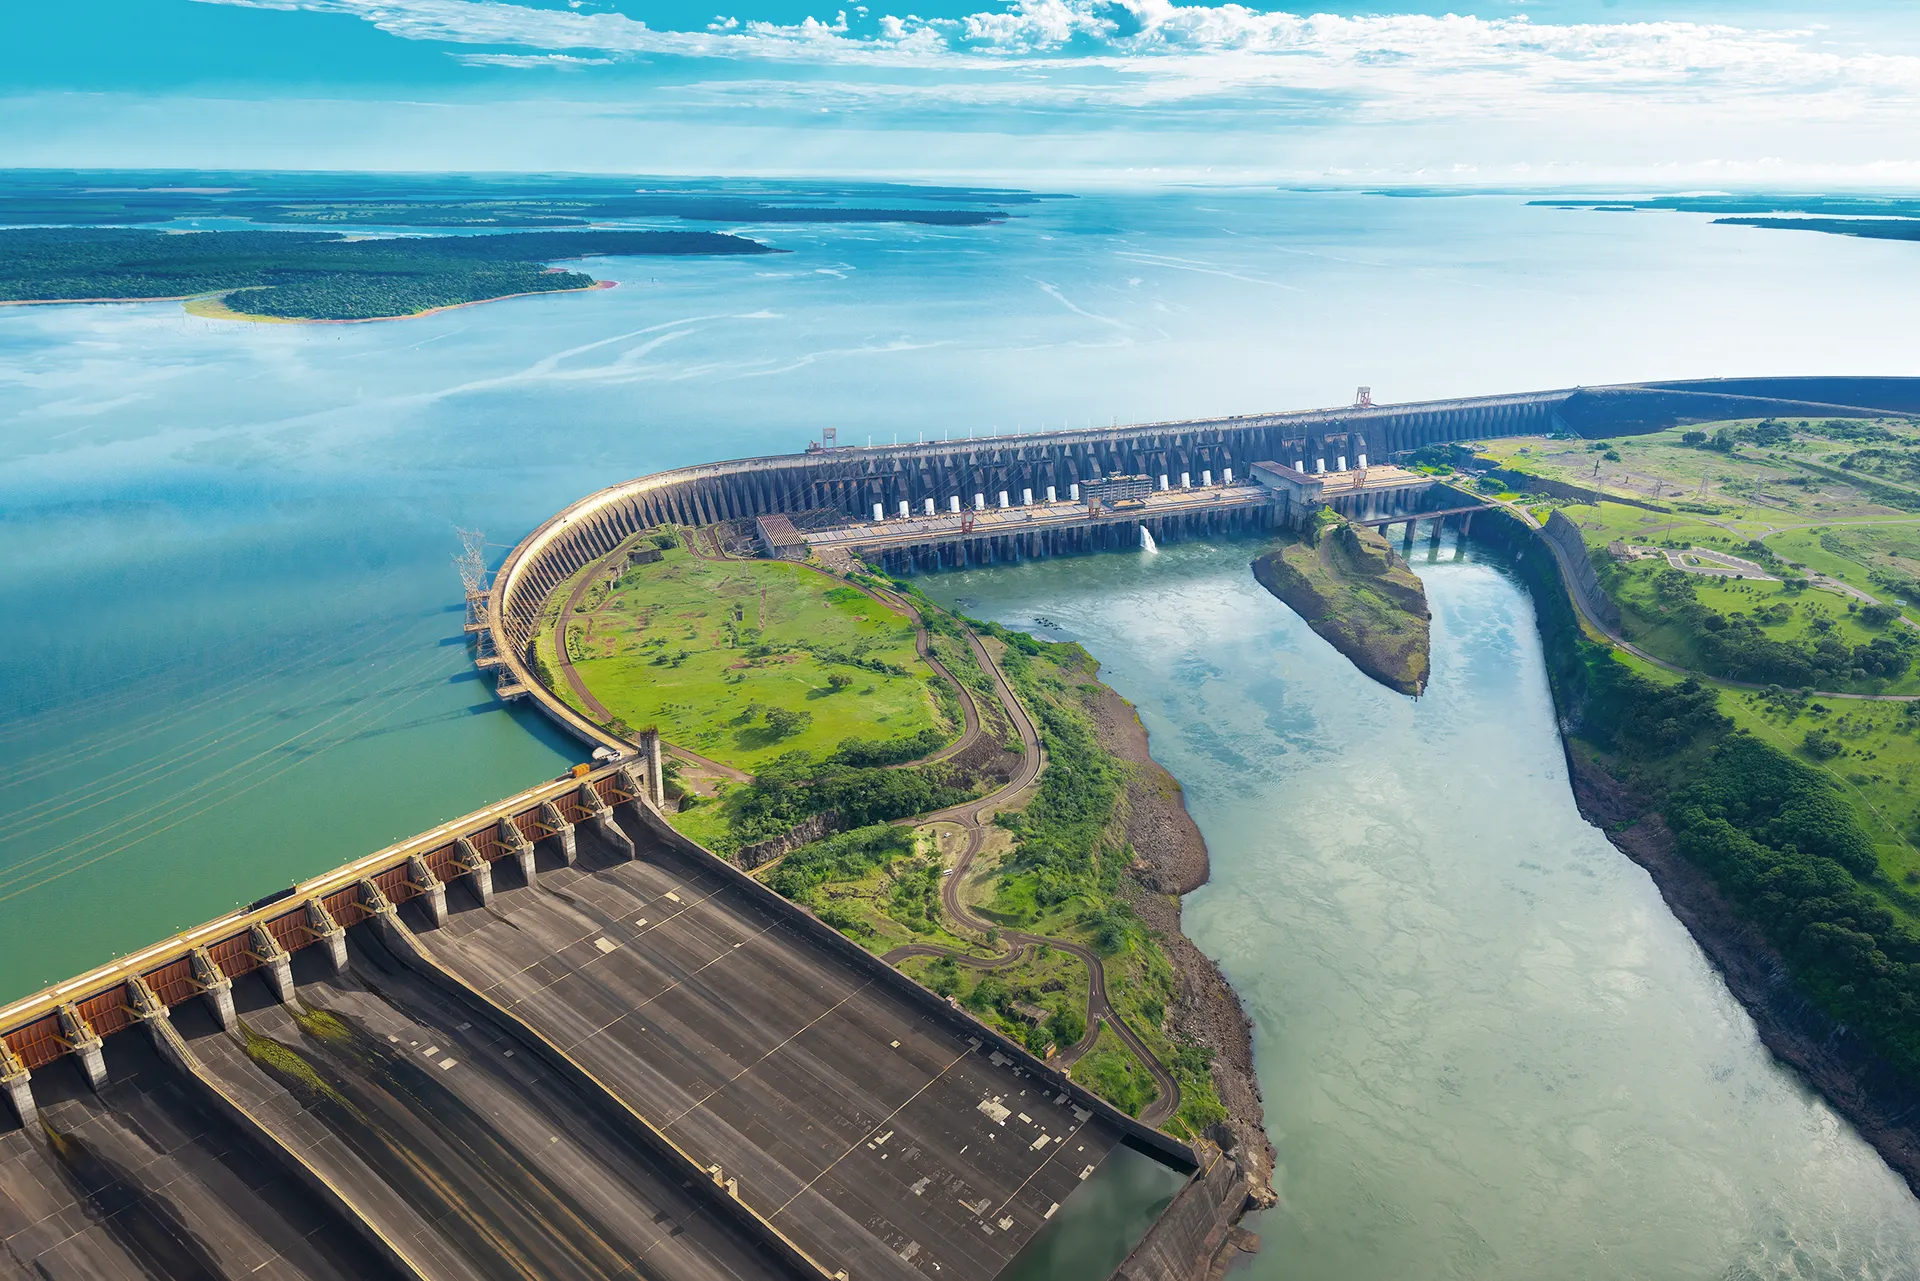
x,y
1653,93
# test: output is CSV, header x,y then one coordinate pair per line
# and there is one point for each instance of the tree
x,y
1693,438
785,722
839,681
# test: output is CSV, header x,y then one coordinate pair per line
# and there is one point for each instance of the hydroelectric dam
x,y
555,1038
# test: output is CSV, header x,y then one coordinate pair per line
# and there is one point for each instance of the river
x,y
234,656
1487,1049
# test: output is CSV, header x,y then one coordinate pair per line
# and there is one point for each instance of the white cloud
x,y
1148,55
531,60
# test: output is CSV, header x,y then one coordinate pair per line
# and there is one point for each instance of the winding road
x,y
973,816
1589,611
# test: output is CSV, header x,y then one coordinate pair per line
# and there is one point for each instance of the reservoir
x,y
1487,1048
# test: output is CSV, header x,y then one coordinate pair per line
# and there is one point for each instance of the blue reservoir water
x,y
235,655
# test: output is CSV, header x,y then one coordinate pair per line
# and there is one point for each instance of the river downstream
x,y
1488,1049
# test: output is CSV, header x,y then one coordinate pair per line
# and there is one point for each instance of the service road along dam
x,y
556,1038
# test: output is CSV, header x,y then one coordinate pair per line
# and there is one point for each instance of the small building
x,y
778,538
1117,491
1299,487
1032,1014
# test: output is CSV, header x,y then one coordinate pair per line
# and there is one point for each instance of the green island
x,y
286,275
1356,593
844,738
1867,216
110,198
1736,676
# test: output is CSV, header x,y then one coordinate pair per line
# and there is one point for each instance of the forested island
x,y
1868,217
1351,589
134,198
289,275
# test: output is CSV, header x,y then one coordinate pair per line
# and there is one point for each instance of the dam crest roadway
x,y
557,1038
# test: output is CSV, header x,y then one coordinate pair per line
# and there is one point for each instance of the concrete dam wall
x,y
842,484
554,1038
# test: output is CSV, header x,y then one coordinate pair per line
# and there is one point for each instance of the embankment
x,y
1880,1101
1360,597
1171,862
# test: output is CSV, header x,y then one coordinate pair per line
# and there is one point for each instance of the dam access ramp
x,y
552,1039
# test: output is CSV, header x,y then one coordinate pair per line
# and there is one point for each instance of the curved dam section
x,y
840,485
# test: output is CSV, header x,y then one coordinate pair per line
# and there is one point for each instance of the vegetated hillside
x,y
317,276
1351,588
1796,834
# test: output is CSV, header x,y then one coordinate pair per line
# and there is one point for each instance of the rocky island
x,y
1351,588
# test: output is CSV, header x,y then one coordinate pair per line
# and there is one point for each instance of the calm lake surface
x,y
1487,1048
235,659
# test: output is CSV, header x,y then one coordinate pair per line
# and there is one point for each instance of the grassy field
x,y
742,661
1796,616
1826,505
1875,755
1789,473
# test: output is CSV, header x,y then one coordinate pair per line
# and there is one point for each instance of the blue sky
x,y
1701,92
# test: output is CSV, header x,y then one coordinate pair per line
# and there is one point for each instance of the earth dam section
x,y
1488,1050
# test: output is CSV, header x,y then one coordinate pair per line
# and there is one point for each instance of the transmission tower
x,y
472,564
472,561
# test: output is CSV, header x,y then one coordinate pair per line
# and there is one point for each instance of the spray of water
x,y
1146,541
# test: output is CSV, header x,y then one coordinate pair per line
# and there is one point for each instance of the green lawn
x,y
1788,615
1603,523
1757,487
1874,772
706,649
1852,552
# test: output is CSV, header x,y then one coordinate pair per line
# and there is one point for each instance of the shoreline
x,y
213,306
1173,862
1879,1102
1866,1091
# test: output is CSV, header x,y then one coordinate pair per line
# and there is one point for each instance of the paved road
x,y
1584,603
974,816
